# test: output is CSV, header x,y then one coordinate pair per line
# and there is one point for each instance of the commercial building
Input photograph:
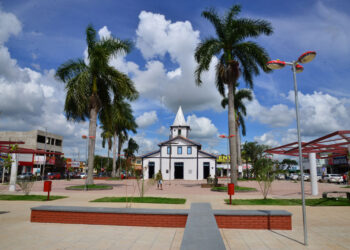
x,y
37,140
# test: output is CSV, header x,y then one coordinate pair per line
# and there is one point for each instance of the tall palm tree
x,y
89,86
107,136
240,112
129,152
132,148
236,56
122,121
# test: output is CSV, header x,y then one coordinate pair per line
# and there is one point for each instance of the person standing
x,y
344,178
159,179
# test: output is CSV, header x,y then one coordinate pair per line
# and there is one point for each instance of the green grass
x,y
159,200
237,189
113,179
346,186
292,202
12,197
90,187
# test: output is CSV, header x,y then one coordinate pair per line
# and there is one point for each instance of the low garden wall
x,y
240,219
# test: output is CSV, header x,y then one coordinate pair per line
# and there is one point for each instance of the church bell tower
x,y
179,127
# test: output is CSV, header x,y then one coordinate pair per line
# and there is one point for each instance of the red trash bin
x,y
231,190
47,188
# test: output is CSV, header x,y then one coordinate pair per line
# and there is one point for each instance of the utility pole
x,y
43,173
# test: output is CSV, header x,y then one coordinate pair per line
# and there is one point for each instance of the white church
x,y
179,157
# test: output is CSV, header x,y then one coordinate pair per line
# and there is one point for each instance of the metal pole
x,y
43,173
86,163
170,164
300,153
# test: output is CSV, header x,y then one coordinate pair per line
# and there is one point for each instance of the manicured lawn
x,y
237,189
160,200
12,197
90,187
113,179
346,186
292,202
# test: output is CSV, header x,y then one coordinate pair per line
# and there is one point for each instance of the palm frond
x,y
246,28
212,16
91,37
203,55
70,69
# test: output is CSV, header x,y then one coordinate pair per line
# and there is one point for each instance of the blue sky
x,y
37,36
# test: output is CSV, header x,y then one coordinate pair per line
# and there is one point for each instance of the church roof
x,y
179,119
180,137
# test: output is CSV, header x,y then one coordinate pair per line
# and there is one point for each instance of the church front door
x,y
179,170
150,170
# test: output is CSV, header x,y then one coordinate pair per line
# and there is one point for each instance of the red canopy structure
x,y
328,146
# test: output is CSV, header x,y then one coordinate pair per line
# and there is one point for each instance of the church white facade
x,y
179,157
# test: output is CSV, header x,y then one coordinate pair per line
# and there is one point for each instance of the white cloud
x,y
157,37
267,139
201,127
317,27
163,131
9,25
104,33
146,145
146,119
31,100
278,115
322,113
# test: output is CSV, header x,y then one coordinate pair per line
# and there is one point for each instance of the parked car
x,y
53,176
83,175
306,177
319,177
294,177
333,178
281,176
25,176
74,175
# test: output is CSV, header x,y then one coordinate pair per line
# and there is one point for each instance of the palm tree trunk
x,y
120,143
232,131
92,139
114,154
107,161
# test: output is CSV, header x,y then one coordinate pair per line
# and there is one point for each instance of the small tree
x,y
265,174
26,185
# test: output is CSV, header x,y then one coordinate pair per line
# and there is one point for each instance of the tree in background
x,y
90,86
107,136
129,152
237,57
122,121
240,112
101,162
253,152
289,163
265,171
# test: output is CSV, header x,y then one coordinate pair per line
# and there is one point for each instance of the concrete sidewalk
x,y
328,227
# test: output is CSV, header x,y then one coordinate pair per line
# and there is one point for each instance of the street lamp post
x,y
297,68
171,151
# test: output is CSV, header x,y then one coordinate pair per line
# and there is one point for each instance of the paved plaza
x,y
328,227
